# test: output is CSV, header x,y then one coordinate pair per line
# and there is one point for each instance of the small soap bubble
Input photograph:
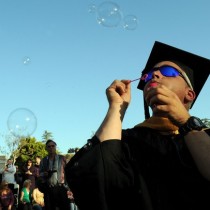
x,y
109,14
48,84
26,60
22,122
92,8
130,22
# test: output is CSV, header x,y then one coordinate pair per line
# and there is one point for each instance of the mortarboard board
x,y
196,67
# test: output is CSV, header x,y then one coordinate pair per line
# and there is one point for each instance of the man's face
x,y
176,84
51,148
38,159
9,162
29,163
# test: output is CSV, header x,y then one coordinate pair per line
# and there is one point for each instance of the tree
x,y
29,148
22,148
46,135
12,144
73,150
69,156
206,122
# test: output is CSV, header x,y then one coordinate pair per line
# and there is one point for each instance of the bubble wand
x,y
135,79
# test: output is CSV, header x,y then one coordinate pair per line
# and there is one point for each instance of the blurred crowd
x,y
37,185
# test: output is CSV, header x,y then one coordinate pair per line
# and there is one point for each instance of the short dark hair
x,y
29,160
50,140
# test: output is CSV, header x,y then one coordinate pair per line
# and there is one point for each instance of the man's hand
x,y
119,97
166,103
119,92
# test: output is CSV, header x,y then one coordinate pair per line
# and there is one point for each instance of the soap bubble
x,y
130,22
22,122
26,60
109,14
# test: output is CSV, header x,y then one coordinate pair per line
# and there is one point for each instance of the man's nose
x,y
156,74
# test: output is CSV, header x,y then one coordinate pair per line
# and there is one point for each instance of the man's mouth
x,y
153,84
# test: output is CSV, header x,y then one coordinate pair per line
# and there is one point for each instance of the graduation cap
x,y
196,67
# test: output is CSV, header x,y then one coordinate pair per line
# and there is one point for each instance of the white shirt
x,y
9,175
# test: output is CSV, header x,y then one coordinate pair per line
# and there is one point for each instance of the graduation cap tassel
x,y
146,110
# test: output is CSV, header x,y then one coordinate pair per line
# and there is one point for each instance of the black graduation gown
x,y
108,175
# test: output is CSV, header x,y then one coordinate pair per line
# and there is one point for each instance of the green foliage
x,y
69,156
206,122
20,149
46,135
73,150
28,148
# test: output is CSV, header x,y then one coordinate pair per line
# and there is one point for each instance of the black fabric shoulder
x,y
101,176
87,147
207,131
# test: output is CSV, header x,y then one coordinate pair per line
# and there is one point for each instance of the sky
x,y
57,57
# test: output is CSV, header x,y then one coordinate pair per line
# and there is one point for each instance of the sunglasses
x,y
167,71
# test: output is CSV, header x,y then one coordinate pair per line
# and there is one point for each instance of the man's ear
x,y
190,95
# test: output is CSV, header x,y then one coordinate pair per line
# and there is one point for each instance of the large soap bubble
x,y
22,122
109,14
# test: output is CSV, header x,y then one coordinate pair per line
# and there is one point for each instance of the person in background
x,y
52,170
38,199
161,163
71,199
18,176
8,175
37,165
6,197
29,172
26,196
